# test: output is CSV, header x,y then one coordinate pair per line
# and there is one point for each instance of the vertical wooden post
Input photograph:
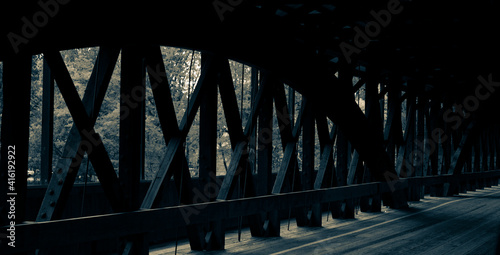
x,y
393,128
420,150
411,118
132,94
497,150
208,132
265,155
492,148
15,136
433,133
447,143
382,103
254,86
484,155
393,122
308,132
323,176
132,117
208,154
47,124
473,182
345,209
497,146
410,131
375,121
265,144
434,126
466,152
308,145
291,103
168,121
454,188
469,184
477,161
447,152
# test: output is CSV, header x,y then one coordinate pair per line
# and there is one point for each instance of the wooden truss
x,y
389,163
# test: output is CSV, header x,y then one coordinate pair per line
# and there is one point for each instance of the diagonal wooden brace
x,y
82,136
176,142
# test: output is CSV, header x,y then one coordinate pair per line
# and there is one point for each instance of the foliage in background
x,y
183,70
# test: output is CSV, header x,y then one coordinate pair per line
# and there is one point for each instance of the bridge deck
x,y
464,224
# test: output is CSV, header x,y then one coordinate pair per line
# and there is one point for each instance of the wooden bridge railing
x,y
36,235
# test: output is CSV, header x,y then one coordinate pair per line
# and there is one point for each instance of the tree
x,y
183,68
